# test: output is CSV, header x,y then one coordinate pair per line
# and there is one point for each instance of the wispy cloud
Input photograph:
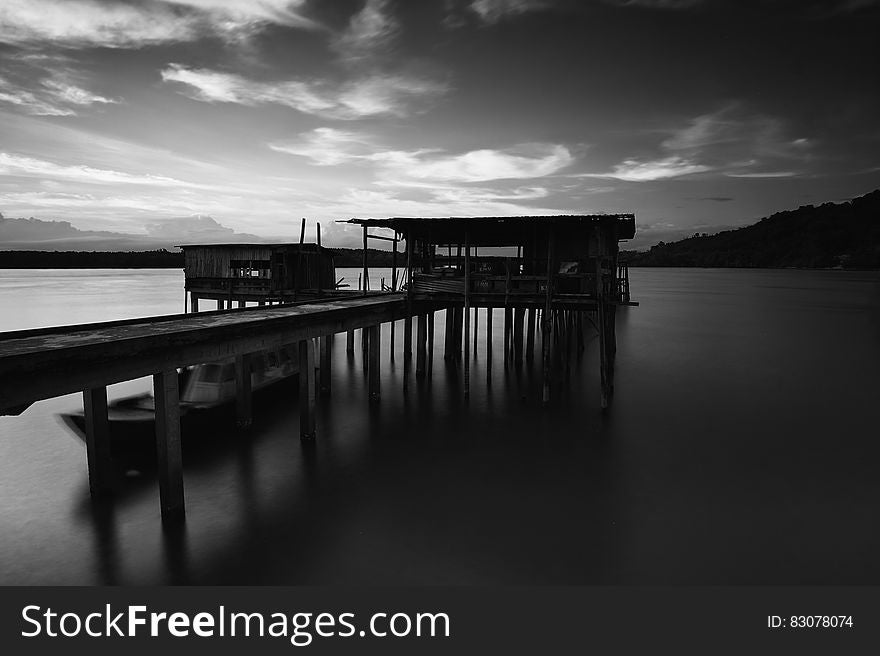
x,y
20,165
632,170
375,95
85,23
329,146
492,11
729,141
369,34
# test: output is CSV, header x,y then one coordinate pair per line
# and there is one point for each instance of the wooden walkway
x,y
44,363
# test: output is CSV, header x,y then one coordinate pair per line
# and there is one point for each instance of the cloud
x,y
19,165
492,11
729,141
373,95
369,34
765,174
88,23
197,228
331,147
632,170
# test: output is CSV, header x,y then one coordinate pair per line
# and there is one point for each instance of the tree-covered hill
x,y
830,235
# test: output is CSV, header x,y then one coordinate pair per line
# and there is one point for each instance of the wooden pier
x,y
557,276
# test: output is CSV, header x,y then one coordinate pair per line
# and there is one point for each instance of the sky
x,y
234,119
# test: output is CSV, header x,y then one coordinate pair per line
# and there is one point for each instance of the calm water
x,y
742,448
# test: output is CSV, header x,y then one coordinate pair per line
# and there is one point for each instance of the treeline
x,y
160,259
831,235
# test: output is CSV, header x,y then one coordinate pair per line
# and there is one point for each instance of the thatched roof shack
x,y
257,272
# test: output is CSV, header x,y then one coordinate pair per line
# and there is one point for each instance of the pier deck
x,y
44,363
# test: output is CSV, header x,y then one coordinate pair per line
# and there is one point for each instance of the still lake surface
x,y
743,446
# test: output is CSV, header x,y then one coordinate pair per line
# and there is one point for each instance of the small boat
x,y
207,402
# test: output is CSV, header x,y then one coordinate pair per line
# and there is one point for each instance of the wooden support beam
x,y
98,441
458,314
467,314
450,334
530,334
519,315
243,400
366,274
326,345
194,302
489,313
168,450
349,341
375,340
430,354
546,316
407,339
421,344
508,329
318,262
307,400
476,329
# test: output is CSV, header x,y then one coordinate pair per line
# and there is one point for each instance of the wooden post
x,y
467,313
318,261
407,322
168,451
326,342
421,344
306,390
298,270
366,271
243,403
546,326
349,341
602,323
518,318
430,354
375,340
393,284
98,441
450,334
459,326
508,328
221,305
530,334
476,329
194,302
489,312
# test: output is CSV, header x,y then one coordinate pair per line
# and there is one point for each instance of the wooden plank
x,y
243,396
98,441
307,400
168,447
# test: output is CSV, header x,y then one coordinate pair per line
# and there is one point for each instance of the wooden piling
x,y
349,341
307,400
326,347
421,344
243,403
430,354
489,312
450,334
467,314
375,339
508,327
530,334
458,331
518,318
168,452
97,441
194,303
